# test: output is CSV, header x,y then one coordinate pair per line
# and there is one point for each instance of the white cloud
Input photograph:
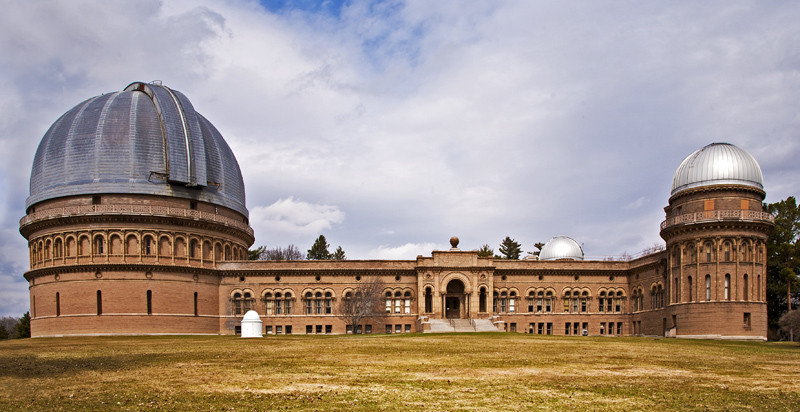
x,y
409,251
294,219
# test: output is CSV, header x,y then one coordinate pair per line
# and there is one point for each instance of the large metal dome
x,y
147,139
561,247
715,164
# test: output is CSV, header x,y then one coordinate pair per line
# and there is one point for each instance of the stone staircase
x,y
460,325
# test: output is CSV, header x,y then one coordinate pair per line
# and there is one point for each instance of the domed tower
x,y
716,232
561,248
134,199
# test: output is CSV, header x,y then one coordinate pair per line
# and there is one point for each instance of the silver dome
x,y
147,139
561,247
717,163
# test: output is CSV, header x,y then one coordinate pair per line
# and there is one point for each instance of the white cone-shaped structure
x,y
251,325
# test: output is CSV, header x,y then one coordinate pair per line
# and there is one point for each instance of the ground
x,y
489,371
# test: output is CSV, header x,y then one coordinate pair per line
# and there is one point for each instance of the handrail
x,y
718,215
133,210
474,325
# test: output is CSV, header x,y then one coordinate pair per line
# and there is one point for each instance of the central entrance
x,y
454,300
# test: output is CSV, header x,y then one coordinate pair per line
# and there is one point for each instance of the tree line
x,y
15,328
319,251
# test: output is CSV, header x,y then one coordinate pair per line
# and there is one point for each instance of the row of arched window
x,y
60,247
318,302
729,250
706,293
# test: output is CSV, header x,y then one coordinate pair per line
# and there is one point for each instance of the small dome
x,y
561,247
147,139
251,316
717,164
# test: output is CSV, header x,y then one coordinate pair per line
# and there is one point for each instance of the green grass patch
x,y
453,372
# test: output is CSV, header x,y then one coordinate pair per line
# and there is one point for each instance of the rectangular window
x,y
288,307
268,309
407,328
397,306
583,305
398,328
195,303
566,305
388,328
547,304
600,304
408,306
328,308
278,307
549,328
309,304
318,307
309,329
58,304
511,305
540,328
288,329
575,305
531,327
530,305
539,305
575,328
747,320
609,303
328,329
388,306
618,305
358,330
193,205
95,200
602,328
585,329
278,330
149,302
348,329
319,329
368,329
502,305
268,329
513,327
619,328
99,303
567,328
237,330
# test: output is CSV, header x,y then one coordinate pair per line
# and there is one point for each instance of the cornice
x,y
115,267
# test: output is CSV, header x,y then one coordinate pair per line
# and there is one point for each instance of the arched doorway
x,y
454,300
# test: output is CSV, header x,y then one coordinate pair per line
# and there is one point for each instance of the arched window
x,y
99,245
601,300
318,303
279,306
407,303
287,302
743,249
548,302
192,248
495,298
690,289
309,303
726,251
57,252
532,302
567,299
512,300
248,302
727,295
618,302
328,303
503,301
708,287
745,288
584,301
148,245
429,300
758,289
237,303
709,256
398,302
388,302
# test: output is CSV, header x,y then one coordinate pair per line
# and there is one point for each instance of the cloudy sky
x,y
390,126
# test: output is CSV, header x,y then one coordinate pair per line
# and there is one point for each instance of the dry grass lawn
x,y
495,371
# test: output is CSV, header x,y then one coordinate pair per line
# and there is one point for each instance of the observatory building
x,y
137,224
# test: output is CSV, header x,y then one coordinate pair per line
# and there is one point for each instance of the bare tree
x,y
10,325
291,252
790,323
365,302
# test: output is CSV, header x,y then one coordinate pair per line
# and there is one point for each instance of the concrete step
x,y
461,325
485,325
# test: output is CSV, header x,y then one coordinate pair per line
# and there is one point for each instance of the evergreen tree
x,y
338,254
783,259
485,251
319,251
3,332
510,248
24,326
255,254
